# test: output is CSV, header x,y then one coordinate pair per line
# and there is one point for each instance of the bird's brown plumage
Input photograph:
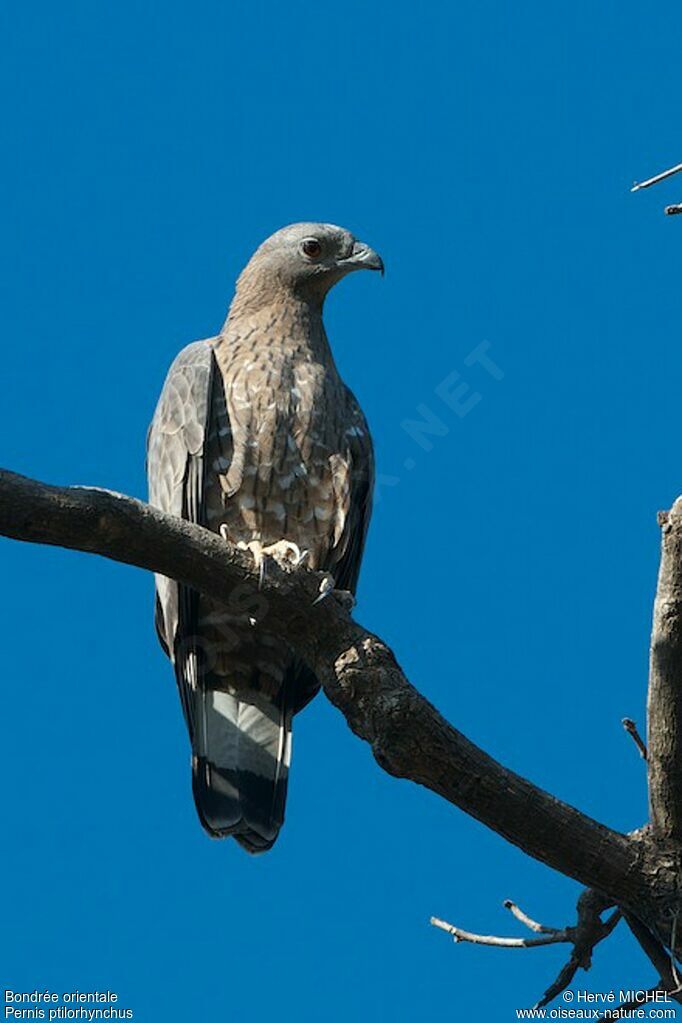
x,y
257,437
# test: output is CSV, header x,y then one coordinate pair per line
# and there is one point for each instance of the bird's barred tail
x,y
240,764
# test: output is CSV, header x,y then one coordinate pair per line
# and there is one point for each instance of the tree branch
x,y
665,685
589,930
670,210
526,920
658,177
495,941
359,673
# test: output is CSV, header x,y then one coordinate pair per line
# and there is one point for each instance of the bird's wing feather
x,y
175,466
353,481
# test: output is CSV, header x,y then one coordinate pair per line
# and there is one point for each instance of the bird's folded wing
x,y
176,448
353,481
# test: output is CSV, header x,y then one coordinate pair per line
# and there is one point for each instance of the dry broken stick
x,y
589,930
670,210
551,937
631,728
526,920
657,177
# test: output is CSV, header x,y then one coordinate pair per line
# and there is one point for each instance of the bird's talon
x,y
257,551
286,553
326,587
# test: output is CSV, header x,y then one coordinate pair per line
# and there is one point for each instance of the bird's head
x,y
307,260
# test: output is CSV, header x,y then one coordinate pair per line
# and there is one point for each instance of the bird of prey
x,y
256,437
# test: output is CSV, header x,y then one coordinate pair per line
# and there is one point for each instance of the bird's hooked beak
x,y
363,258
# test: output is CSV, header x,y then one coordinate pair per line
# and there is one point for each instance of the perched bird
x,y
256,437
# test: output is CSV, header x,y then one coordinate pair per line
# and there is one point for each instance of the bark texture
x,y
664,712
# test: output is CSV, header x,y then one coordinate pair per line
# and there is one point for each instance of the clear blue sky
x,y
486,150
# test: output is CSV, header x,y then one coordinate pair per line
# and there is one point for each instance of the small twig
x,y
673,945
589,930
490,939
631,728
533,925
670,210
657,178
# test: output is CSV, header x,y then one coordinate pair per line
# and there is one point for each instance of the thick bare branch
x,y
664,713
359,673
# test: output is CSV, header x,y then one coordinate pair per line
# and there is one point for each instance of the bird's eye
x,y
312,248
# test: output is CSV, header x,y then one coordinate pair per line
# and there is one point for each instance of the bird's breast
x,y
283,415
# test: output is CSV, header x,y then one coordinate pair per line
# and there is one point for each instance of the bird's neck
x,y
277,316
